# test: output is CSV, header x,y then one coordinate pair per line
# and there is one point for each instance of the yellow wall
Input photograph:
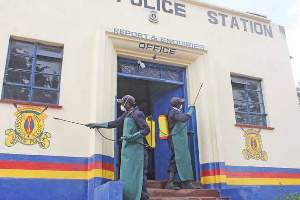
x,y
88,85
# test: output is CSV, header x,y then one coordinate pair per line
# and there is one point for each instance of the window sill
x,y
253,126
30,104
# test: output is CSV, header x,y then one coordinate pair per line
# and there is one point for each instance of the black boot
x,y
189,185
170,183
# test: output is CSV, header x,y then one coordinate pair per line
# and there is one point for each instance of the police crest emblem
x,y
253,146
29,128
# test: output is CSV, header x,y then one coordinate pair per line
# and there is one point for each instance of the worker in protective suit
x,y
180,160
134,157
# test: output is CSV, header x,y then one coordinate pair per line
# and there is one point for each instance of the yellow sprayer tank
x,y
163,127
151,136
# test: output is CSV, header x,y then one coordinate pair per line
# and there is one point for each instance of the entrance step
x,y
162,184
164,193
157,191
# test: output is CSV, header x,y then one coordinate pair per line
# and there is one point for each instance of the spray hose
x,y
145,145
98,130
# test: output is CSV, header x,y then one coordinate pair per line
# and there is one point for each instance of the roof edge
x,y
231,11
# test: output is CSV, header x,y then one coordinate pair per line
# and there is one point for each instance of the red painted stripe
x,y
54,166
29,104
101,165
213,172
42,166
252,126
249,174
261,175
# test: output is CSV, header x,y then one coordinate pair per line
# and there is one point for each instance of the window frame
x,y
33,73
246,84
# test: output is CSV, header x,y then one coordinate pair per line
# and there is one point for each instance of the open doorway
x,y
152,86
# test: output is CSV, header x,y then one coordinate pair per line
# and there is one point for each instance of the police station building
x,y
71,59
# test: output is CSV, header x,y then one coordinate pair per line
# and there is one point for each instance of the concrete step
x,y
163,193
162,184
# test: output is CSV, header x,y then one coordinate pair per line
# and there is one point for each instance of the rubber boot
x,y
170,183
189,185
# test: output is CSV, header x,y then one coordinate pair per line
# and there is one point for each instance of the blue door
x,y
163,82
162,153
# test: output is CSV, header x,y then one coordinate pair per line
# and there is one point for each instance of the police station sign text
x,y
239,23
157,48
158,39
160,5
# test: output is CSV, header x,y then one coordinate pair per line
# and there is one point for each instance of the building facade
x,y
71,59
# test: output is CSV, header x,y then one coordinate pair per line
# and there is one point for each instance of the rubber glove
x,y
95,125
191,110
132,137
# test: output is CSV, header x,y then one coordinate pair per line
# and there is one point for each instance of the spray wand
x,y
64,120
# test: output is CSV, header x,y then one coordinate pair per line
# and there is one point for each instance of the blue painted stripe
x,y
213,166
36,189
46,189
293,187
214,186
259,192
149,78
261,169
38,158
101,158
221,165
56,159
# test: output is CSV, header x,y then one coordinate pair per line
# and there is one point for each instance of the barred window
x,y
32,73
248,101
151,71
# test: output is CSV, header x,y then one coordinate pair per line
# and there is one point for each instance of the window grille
x,y
33,73
128,68
172,75
248,101
153,71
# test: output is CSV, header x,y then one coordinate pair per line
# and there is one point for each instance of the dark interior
x,y
142,91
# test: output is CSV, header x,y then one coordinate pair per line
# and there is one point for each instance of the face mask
x,y
122,108
180,107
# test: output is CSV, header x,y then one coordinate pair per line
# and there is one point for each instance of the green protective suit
x,y
132,163
182,153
